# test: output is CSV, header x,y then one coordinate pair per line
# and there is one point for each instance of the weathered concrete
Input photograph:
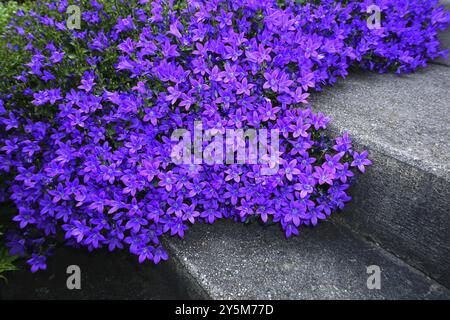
x,y
444,37
234,261
403,201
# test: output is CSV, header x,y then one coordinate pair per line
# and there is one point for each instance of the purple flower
x,y
86,141
175,226
145,253
175,206
360,160
87,82
37,262
344,173
167,180
299,96
343,144
24,218
190,213
332,162
135,223
159,254
94,238
60,193
306,185
259,56
315,213
294,213
290,230
211,214
323,175
169,50
271,80
244,87
299,129
290,169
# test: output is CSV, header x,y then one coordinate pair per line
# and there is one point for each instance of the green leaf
x,y
4,279
6,262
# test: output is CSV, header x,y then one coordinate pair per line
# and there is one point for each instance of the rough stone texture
x,y
444,36
104,275
403,201
234,261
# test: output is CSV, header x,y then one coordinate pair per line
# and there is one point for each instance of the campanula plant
x,y
87,114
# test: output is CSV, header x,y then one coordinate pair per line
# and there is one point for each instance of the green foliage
x,y
6,261
7,11
13,55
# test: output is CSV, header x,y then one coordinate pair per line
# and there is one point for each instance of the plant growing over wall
x,y
87,114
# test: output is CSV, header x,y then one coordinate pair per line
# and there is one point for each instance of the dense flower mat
x,y
87,114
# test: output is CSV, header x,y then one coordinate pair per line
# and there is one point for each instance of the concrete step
x,y
444,37
229,260
403,201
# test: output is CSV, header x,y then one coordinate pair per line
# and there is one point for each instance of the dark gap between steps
x,y
104,275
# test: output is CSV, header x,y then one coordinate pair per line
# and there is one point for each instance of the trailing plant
x,y
87,115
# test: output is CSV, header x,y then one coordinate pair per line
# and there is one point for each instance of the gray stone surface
x,y
404,116
403,201
444,37
235,261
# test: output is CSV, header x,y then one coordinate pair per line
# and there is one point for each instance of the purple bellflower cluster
x,y
86,115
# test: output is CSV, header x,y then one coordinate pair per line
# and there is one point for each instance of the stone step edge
x,y
198,291
372,146
392,255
